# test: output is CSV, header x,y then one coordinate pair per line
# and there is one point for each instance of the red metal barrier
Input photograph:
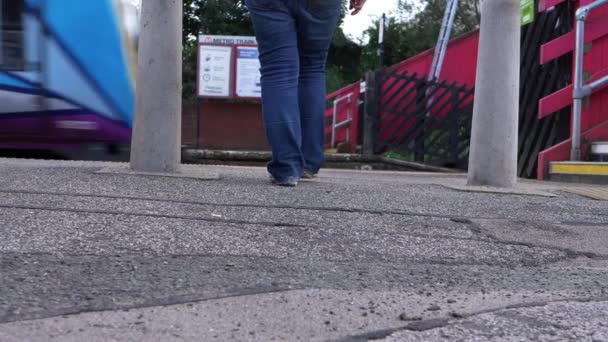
x,y
460,61
398,94
594,123
561,151
460,66
342,118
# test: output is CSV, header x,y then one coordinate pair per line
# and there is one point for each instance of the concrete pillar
x,y
156,143
493,154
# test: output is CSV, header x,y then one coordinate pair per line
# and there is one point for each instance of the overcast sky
x,y
355,25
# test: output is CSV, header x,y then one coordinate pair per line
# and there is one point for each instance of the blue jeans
x,y
293,39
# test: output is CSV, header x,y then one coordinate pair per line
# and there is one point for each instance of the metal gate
x,y
424,121
430,122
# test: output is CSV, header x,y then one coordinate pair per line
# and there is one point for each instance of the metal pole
x,y
493,151
381,31
444,24
440,49
446,39
577,106
602,82
156,143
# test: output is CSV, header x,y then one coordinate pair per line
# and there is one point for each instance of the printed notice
x,y
214,71
248,82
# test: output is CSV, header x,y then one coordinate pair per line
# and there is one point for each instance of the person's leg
x,y
317,21
275,28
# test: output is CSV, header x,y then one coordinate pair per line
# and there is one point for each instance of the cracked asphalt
x,y
353,256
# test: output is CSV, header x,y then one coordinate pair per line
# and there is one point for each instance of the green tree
x,y
215,17
344,58
407,35
343,62
227,18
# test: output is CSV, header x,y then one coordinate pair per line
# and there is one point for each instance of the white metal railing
x,y
443,40
582,90
349,118
440,49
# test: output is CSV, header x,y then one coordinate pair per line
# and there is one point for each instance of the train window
x,y
11,32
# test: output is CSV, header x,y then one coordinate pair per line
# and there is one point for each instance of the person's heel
x,y
288,182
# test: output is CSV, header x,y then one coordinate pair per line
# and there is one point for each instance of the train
x,y
67,76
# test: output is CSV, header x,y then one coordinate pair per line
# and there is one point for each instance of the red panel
x,y
354,127
594,121
558,152
342,114
459,66
460,60
225,125
566,43
555,102
596,65
557,47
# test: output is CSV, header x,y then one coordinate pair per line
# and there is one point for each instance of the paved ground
x,y
354,256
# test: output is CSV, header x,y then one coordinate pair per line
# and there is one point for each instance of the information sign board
x,y
248,72
215,70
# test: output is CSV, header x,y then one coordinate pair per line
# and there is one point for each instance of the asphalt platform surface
x,y
351,256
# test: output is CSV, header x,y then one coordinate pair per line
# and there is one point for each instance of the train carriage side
x,y
66,74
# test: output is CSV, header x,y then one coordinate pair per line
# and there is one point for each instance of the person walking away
x,y
293,40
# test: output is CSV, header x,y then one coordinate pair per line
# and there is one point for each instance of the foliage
x,y
415,27
215,17
227,18
189,72
411,29
343,62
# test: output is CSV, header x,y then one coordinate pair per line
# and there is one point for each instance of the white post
x,y
493,154
156,143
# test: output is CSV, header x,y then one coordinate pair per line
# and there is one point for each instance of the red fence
x,y
460,66
342,118
594,120
546,68
460,63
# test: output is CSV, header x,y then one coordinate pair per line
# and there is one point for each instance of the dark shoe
x,y
290,182
308,175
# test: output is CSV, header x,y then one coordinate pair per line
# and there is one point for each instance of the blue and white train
x,y
67,73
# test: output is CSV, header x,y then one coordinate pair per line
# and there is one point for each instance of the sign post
x,y
228,68
248,82
215,69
